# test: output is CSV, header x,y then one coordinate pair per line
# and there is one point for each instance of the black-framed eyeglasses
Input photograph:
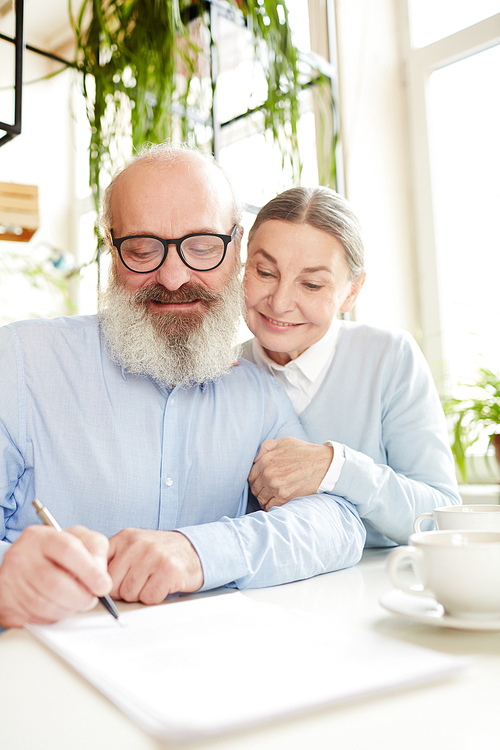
x,y
145,253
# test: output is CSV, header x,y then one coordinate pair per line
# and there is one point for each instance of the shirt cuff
x,y
219,552
331,477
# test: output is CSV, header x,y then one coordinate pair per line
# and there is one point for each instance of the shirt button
x,y
169,481
172,402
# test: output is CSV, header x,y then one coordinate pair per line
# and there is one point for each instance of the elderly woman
x,y
363,394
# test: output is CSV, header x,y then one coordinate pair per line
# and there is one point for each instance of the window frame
x,y
419,63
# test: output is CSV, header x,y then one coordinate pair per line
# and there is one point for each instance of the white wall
x,y
376,158
42,155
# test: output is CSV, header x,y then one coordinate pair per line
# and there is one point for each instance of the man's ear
x,y
238,237
351,298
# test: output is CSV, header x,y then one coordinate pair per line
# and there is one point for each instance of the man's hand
x,y
47,575
146,566
288,468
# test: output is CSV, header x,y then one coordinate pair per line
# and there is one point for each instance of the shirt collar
x,y
311,362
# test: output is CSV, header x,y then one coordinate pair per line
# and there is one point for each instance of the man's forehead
x,y
149,177
185,172
187,189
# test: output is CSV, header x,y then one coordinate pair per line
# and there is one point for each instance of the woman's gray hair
x,y
324,209
164,154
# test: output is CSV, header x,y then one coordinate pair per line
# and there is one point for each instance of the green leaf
x,y
475,414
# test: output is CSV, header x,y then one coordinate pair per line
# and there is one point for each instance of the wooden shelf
x,y
18,211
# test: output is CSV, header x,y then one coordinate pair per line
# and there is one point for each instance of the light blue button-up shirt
x,y
110,450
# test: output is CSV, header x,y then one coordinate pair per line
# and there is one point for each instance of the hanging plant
x,y
144,63
128,52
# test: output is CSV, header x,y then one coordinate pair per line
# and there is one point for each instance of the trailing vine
x,y
142,62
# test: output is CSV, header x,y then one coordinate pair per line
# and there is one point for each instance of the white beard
x,y
171,348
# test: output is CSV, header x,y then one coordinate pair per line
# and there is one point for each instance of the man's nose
x,y
173,273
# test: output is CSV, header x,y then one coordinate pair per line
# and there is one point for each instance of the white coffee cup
x,y
461,517
460,569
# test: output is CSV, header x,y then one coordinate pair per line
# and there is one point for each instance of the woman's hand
x,y
288,468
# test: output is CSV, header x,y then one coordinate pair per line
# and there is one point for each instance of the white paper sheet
x,y
187,669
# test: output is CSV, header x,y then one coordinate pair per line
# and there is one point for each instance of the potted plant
x,y
149,69
475,415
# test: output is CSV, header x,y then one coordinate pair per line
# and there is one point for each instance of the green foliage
x,y
139,59
475,415
268,20
129,52
40,273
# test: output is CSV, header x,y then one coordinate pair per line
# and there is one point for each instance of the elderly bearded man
x,y
136,424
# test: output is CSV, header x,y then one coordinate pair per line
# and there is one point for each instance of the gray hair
x,y
324,209
164,154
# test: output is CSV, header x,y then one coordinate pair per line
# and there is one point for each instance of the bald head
x,y
189,177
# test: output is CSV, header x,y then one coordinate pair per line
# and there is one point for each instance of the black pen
x,y
46,516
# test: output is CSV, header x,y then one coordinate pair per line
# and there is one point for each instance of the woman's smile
x,y
279,323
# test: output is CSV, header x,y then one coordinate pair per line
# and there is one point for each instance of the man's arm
x,y
306,537
309,536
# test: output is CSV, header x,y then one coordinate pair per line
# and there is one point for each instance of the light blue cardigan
x,y
379,400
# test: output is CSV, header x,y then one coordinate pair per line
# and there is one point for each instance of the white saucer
x,y
430,612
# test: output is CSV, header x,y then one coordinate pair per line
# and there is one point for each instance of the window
x,y
453,64
253,160
465,156
454,102
431,20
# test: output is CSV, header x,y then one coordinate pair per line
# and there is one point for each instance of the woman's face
x,y
296,279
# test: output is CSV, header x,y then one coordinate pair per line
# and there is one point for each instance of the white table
x,y
45,705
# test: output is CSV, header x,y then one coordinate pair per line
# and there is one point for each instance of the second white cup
x,y
471,517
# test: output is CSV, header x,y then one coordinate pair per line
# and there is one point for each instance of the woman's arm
x,y
413,471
